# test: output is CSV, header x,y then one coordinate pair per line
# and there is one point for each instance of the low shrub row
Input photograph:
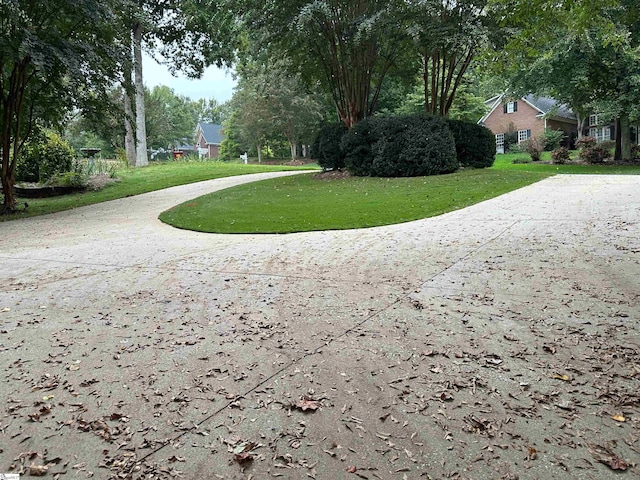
x,y
405,146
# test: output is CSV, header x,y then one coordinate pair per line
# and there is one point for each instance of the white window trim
x,y
522,135
511,107
593,120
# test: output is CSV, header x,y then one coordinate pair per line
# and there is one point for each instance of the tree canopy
x,y
54,56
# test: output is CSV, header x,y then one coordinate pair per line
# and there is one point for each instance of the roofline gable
x,y
498,101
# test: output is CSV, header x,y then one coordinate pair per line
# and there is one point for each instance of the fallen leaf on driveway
x,y
351,469
38,470
563,377
244,457
605,455
306,403
619,418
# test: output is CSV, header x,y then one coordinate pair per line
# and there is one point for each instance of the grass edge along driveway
x,y
304,203
135,181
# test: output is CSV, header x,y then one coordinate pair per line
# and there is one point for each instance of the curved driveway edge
x,y
497,341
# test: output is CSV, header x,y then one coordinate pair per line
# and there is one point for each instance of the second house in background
x,y
529,117
209,136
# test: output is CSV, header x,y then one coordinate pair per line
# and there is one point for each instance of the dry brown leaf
x,y
563,377
38,470
351,469
605,455
244,457
306,403
619,418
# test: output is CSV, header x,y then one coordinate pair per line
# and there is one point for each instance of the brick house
x,y
209,136
529,116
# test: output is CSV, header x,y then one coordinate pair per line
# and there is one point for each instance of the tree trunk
x,y
617,156
294,150
9,203
259,147
580,120
129,139
625,138
141,130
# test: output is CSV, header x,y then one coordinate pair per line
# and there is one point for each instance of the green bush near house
x,y
552,139
475,144
43,156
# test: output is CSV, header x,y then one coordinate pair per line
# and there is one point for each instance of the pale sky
x,y
215,83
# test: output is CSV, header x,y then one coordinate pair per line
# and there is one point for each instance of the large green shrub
x,y
475,144
414,145
326,147
356,146
45,155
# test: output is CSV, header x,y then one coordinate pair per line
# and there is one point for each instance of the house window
x,y
500,143
511,107
593,120
600,133
523,135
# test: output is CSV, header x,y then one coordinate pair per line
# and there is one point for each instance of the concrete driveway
x,y
498,341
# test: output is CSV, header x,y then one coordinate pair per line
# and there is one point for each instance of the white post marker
x,y
244,157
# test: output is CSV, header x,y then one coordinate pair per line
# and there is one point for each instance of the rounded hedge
x,y
401,146
326,147
475,144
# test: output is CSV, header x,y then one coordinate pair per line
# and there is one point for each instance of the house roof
x,y
212,133
544,105
184,148
549,105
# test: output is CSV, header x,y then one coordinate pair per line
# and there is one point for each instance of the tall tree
x,y
448,35
53,56
186,35
587,50
353,44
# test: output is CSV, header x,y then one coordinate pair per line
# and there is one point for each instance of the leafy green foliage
x,y
326,147
54,56
356,146
551,139
68,179
46,155
475,144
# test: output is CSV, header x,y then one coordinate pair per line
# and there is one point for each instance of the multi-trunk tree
x,y
54,56
348,46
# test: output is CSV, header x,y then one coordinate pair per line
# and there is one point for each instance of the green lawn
x,y
134,181
304,203
505,163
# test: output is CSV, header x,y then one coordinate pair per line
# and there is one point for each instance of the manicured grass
x,y
304,203
505,162
134,181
